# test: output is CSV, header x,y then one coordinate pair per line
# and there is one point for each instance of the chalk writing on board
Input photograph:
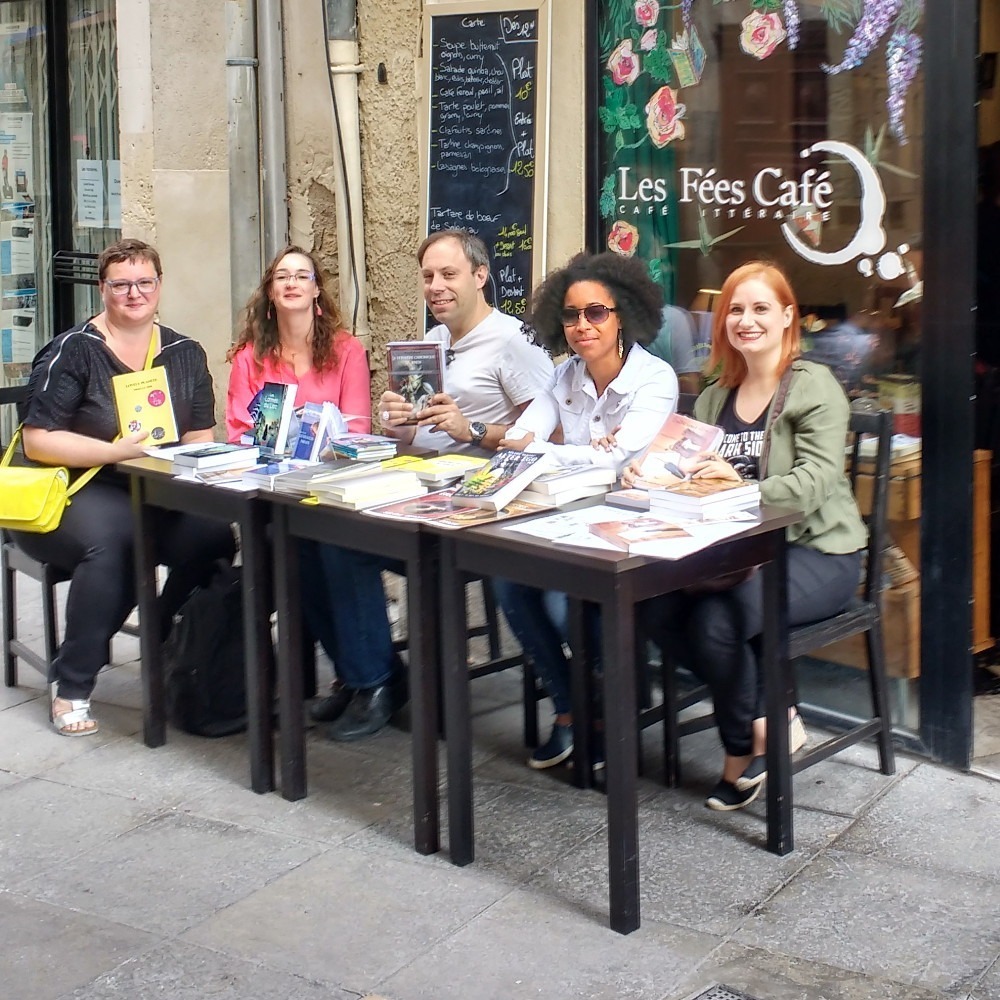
x,y
482,166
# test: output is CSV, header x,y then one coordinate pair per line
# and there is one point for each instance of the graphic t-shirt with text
x,y
744,443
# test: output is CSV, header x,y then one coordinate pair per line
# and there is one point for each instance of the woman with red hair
x,y
785,423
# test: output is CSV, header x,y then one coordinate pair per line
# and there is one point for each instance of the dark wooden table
x,y
616,582
418,550
153,486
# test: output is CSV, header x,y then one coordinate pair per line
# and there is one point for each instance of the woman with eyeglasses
x,y
292,334
71,421
610,398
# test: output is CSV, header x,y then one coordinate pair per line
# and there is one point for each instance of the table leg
x,y
620,733
423,618
779,693
581,665
257,647
288,600
154,721
457,716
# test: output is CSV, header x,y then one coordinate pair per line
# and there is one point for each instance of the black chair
x,y
12,561
863,615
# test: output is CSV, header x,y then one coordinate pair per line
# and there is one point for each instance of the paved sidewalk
x,y
130,873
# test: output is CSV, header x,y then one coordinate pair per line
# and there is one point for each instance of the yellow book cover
x,y
142,400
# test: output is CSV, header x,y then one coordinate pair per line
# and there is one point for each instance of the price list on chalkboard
x,y
483,154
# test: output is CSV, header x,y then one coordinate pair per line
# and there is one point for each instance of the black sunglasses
x,y
595,314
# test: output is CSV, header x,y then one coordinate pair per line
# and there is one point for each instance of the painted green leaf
x,y
609,121
606,206
619,141
657,64
629,118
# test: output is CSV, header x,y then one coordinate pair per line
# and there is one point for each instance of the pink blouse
x,y
348,385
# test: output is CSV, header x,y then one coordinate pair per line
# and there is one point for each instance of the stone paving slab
x,y
903,825
531,946
49,950
172,872
934,930
697,869
178,971
773,976
348,918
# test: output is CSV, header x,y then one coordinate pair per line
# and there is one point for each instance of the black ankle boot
x,y
333,706
367,713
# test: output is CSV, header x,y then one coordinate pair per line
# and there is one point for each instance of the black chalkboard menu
x,y
485,166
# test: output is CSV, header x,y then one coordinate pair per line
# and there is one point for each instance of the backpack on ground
x,y
203,660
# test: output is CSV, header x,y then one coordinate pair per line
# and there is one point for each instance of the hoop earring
x,y
621,345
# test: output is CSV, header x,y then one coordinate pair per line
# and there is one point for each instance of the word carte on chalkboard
x,y
488,92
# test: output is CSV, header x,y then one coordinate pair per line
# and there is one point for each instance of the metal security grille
x,y
718,991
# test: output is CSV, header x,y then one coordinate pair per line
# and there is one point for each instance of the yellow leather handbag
x,y
33,499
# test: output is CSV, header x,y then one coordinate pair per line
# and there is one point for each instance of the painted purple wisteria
x,y
790,9
686,6
876,20
902,59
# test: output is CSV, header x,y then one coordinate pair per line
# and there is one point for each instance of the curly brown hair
x,y
260,326
638,298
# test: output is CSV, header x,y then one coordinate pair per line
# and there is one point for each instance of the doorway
x,y
60,179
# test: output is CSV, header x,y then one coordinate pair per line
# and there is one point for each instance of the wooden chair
x,y
863,615
12,561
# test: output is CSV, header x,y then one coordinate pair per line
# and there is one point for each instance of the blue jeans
x,y
538,619
343,602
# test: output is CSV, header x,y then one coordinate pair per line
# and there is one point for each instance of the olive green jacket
x,y
805,465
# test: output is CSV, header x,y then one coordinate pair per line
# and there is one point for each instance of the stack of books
x,y
699,499
438,471
565,485
360,492
263,477
300,482
318,422
365,447
214,458
496,484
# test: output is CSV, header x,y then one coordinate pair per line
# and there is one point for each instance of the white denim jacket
x,y
634,407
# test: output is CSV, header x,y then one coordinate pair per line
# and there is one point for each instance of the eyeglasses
x,y
120,287
595,314
299,277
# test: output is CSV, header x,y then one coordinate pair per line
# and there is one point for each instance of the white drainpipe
x,y
342,52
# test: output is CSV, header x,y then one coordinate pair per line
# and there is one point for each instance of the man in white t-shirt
x,y
494,370
494,367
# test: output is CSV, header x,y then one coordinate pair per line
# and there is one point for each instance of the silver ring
x,y
385,414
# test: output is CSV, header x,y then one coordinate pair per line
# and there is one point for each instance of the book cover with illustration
x,y
271,411
635,531
142,402
675,449
696,493
498,483
416,371
440,507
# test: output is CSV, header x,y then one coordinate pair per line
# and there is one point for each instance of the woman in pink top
x,y
291,334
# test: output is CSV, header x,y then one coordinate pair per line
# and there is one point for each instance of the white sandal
x,y
79,711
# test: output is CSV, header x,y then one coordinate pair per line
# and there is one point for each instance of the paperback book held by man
x,y
416,371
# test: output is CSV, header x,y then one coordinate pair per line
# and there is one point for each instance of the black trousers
x,y
94,543
717,636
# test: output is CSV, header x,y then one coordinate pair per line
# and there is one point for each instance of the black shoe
x,y
333,706
726,797
754,775
555,751
367,713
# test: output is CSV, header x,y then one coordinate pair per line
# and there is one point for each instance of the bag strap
x,y
84,477
777,406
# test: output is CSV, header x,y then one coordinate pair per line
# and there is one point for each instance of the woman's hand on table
x,y
517,443
607,442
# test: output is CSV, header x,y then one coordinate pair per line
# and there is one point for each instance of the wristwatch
x,y
477,430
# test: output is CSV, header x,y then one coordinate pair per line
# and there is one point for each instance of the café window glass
x,y
788,130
